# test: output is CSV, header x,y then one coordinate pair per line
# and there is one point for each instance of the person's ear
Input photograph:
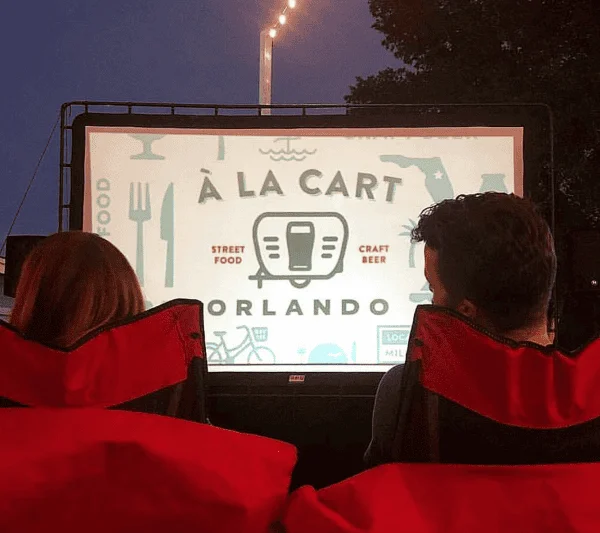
x,y
468,309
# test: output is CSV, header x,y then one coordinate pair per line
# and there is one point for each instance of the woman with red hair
x,y
81,348
79,336
71,284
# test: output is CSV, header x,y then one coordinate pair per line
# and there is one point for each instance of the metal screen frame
x,y
536,119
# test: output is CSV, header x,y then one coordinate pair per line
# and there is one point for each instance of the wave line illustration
x,y
288,153
294,155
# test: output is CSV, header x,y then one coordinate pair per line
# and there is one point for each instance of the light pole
x,y
267,36
266,70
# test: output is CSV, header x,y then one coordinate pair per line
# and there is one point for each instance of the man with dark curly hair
x,y
489,257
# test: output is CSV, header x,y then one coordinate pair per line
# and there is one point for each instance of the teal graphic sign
x,y
437,182
140,213
299,247
331,354
493,182
147,139
248,349
287,153
392,343
167,233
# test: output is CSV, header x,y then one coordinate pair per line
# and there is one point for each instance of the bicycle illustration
x,y
220,353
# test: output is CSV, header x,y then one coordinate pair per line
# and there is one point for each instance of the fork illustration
x,y
139,212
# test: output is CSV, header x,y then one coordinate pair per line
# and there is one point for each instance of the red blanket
x,y
428,498
98,471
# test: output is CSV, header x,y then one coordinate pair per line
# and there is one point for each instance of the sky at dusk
x,y
181,51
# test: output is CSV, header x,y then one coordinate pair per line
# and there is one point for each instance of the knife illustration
x,y
221,155
167,233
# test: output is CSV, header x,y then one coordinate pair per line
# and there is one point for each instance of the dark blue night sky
x,y
157,50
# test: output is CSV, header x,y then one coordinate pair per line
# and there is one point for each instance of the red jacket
x,y
435,498
101,471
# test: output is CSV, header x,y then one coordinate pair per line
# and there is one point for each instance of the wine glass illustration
x,y
147,139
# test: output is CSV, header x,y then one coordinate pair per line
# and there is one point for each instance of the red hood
x,y
107,367
99,471
521,384
433,498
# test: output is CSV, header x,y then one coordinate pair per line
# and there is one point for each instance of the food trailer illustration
x,y
299,247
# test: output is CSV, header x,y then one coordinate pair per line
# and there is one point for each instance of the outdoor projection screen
x,y
297,240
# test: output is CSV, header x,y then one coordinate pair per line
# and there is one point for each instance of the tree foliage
x,y
483,51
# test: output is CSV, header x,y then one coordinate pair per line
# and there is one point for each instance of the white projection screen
x,y
296,240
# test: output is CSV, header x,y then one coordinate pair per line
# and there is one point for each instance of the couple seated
x,y
482,383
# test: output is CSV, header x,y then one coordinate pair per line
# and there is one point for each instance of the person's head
x,y
71,284
490,257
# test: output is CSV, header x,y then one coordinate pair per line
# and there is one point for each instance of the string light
x,y
282,19
266,46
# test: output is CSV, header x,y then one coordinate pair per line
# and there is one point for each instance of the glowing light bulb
x,y
282,19
291,4
272,33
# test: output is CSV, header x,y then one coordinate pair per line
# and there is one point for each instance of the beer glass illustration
x,y
300,237
299,247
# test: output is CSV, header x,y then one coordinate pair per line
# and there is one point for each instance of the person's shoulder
x,y
385,417
392,379
393,374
